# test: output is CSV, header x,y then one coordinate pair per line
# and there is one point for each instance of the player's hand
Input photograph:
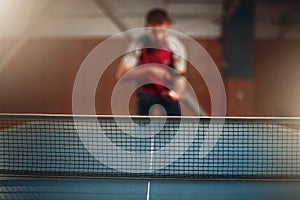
x,y
169,95
160,73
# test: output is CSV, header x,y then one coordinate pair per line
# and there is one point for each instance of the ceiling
x,y
94,18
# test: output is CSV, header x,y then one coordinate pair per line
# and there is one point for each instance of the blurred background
x,y
255,44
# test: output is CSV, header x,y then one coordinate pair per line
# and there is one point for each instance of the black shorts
x,y
145,101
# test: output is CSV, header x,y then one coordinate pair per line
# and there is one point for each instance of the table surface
x,y
57,188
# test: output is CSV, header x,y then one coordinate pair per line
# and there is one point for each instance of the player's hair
x,y
157,16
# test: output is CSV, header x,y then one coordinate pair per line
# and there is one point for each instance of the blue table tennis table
x,y
87,189
48,157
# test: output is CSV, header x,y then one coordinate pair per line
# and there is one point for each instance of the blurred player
x,y
154,60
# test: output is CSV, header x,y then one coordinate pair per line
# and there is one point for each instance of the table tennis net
x,y
149,147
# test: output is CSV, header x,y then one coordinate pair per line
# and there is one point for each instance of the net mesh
x,y
144,147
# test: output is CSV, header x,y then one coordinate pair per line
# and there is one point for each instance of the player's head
x,y
159,20
157,17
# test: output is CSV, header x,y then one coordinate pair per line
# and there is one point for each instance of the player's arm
x,y
123,69
180,65
180,87
128,71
